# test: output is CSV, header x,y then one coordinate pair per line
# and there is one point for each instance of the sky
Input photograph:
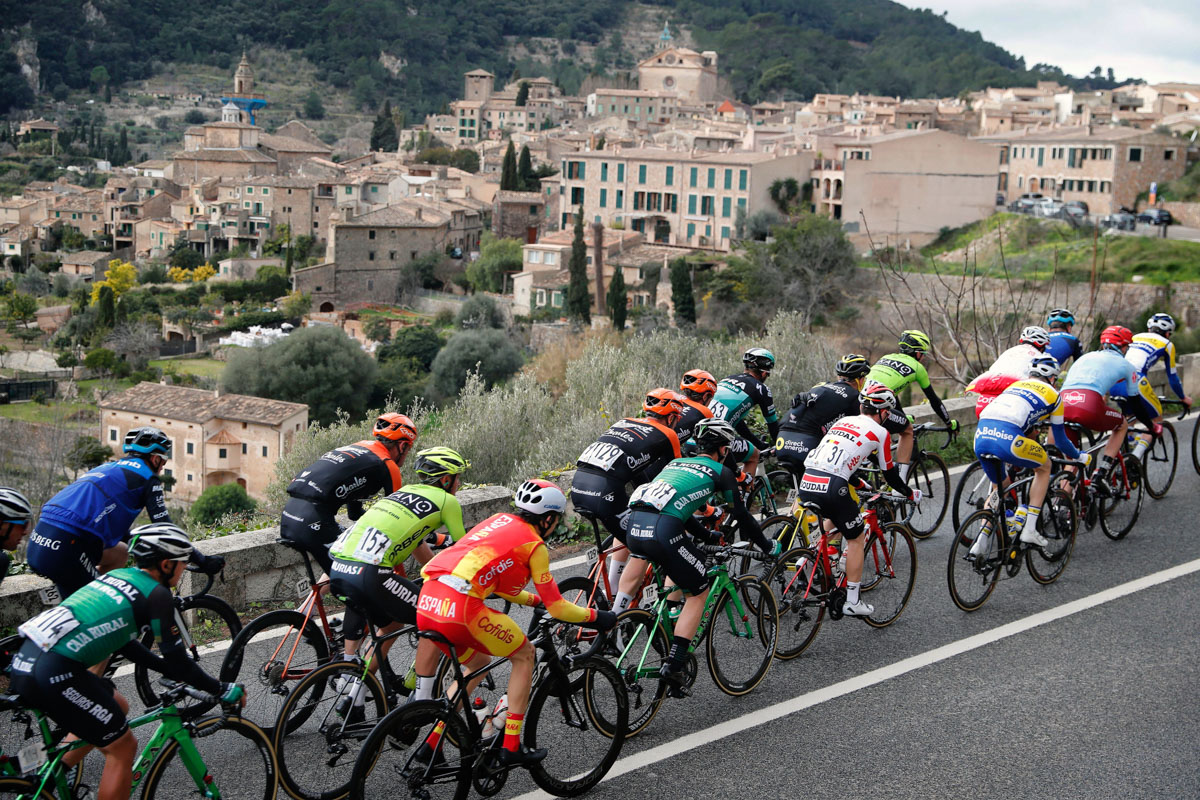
x,y
1158,41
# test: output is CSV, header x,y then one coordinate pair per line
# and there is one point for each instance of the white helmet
x,y
1036,336
1161,323
160,541
539,496
14,507
1045,367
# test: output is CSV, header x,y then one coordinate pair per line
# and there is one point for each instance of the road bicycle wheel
x,y
741,644
929,474
800,587
1058,523
211,624
781,528
762,501
234,752
782,484
22,789
628,643
580,717
1196,447
1159,462
1119,513
268,657
971,580
889,573
574,640
321,727
397,761
970,494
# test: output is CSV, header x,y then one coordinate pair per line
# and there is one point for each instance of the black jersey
x,y
631,451
348,474
693,412
814,412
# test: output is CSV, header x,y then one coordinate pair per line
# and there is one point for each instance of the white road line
x,y
756,718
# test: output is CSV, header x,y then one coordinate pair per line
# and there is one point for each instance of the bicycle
x,y
644,637
1161,456
929,474
170,765
578,710
1116,509
807,585
972,578
770,489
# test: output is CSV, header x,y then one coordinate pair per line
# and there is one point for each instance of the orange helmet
x,y
663,402
700,382
1116,336
395,427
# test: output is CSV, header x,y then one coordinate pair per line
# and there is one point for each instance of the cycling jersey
x,y
391,529
1150,348
1063,346
104,502
5,565
1106,372
1102,371
814,412
347,475
1012,365
378,592
692,413
847,445
1004,423
897,370
736,396
631,451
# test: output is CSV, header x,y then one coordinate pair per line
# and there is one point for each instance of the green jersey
x,y
684,486
394,526
897,370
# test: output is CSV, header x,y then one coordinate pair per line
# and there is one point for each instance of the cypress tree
x,y
617,299
579,296
681,293
525,177
383,132
508,171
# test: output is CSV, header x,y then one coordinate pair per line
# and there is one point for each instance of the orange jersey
x,y
499,556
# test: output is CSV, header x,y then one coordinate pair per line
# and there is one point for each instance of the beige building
x,y
636,105
543,276
691,76
216,438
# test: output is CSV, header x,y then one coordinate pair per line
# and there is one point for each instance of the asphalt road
x,y
1086,688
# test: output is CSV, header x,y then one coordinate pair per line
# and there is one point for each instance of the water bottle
x,y
1010,517
495,721
479,706
831,551
840,569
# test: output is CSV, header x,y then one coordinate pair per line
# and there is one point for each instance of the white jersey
x,y
847,445
1015,361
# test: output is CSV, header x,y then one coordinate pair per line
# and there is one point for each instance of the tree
x,y
106,307
34,282
508,170
296,305
479,312
526,180
19,310
377,329
136,342
783,192
579,295
86,453
217,501
183,256
417,343
618,300
189,318
120,277
195,117
490,351
101,360
99,77
383,132
497,258
681,292
320,366
313,107
522,93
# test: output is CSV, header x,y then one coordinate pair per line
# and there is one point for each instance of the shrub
x,y
217,501
479,312
488,351
418,343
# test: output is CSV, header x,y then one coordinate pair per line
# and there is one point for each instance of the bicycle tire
x,y
781,528
930,475
13,787
263,674
398,738
970,585
892,562
760,502
168,777
762,635
1058,523
799,598
1196,447
1160,461
231,626
646,692
572,639
970,494
571,703
1117,526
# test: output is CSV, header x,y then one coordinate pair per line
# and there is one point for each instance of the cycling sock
x,y
1031,518
425,687
852,588
622,602
679,651
512,731
904,470
1102,466
615,568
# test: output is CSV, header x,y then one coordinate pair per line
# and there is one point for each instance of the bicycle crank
x,y
833,605
488,775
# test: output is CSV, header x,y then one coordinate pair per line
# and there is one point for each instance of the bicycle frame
x,y
875,539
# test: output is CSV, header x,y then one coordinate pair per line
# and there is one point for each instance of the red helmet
x,y
1116,336
698,381
663,402
395,427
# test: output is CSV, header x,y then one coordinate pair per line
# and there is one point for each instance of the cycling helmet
x,y
759,358
539,496
1161,323
877,398
1036,336
1045,367
160,541
914,342
852,366
698,381
1115,337
14,507
662,402
393,427
713,433
1060,316
147,441
438,461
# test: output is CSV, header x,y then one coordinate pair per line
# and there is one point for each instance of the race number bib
x,y
48,628
649,595
602,455
371,546
655,494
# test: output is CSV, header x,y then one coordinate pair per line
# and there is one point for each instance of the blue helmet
x,y
1061,316
147,441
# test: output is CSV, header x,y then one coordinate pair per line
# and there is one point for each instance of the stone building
x,y
691,76
519,215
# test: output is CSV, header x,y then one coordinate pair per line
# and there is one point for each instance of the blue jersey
x,y
1063,346
105,501
1105,372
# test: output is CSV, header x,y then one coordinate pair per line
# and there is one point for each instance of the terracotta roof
x,y
396,217
200,405
223,437
726,108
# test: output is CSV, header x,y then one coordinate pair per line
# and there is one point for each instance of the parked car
x,y
1155,216
1048,207
1076,208
1121,220
1025,203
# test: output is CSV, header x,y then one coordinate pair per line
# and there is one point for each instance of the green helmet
x,y
914,342
438,461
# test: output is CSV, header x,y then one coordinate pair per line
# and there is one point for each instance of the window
x,y
620,198
577,196
724,231
551,259
712,178
639,201
371,255
670,203
189,477
604,198
742,203
535,256
620,174
742,175
1041,153
541,297
1168,155
373,189
670,176
249,190
167,483
191,449
603,170
349,189
691,230
243,448
708,205
692,178
1135,154
726,207
1020,181
728,179
222,452
691,204
391,255
264,451
641,173
112,434
412,255
556,299
370,234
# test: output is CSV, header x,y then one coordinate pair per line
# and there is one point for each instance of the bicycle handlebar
x,y
1174,401
209,579
726,550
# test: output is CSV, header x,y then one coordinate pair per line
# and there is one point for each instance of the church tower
x,y
244,98
664,39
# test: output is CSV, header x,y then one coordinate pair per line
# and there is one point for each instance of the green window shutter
x,y
742,180
670,176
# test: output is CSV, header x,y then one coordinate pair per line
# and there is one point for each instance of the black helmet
x,y
852,366
147,441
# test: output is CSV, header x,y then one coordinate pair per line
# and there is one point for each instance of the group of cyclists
x,y
647,481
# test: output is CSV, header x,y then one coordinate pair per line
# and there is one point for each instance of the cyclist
x,y
1106,372
344,476
815,411
1063,344
1010,367
897,370
498,556
1153,346
734,398
106,616
829,469
368,555
631,451
697,389
1000,439
15,513
660,514
81,532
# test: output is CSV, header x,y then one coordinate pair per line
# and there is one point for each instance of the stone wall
x,y
1186,214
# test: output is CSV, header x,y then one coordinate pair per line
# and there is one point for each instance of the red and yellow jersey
x,y
499,556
